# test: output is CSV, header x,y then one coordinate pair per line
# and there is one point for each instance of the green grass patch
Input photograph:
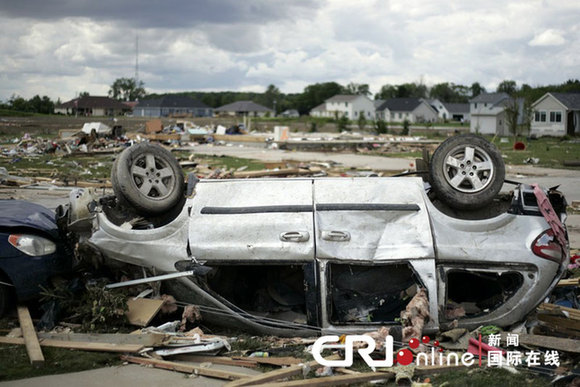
x,y
14,113
14,362
552,152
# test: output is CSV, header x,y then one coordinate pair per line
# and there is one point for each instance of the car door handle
x,y
295,236
336,236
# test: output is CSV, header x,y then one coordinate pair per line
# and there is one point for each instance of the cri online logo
x,y
404,356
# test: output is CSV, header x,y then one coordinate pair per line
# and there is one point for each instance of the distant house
x,y
320,111
290,113
172,105
410,109
556,114
92,106
457,111
379,114
450,111
487,113
442,111
349,106
244,108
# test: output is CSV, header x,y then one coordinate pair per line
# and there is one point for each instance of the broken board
x,y
142,310
30,339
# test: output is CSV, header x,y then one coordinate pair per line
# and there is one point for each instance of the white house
x,y
556,114
487,113
349,106
410,109
450,111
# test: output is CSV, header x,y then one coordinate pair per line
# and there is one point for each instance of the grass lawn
x,y
551,151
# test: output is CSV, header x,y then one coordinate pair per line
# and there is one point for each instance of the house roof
x,y
170,101
378,103
456,107
570,100
492,98
343,98
400,104
243,106
321,107
91,102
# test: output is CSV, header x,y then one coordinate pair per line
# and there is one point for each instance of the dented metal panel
x,y
372,219
157,248
248,220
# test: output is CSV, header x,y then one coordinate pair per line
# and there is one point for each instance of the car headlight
x,y
32,245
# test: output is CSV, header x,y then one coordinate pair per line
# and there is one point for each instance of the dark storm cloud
x,y
160,13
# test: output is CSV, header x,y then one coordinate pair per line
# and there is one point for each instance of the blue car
x,y
31,251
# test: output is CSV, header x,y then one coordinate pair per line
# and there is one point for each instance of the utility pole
x,y
137,60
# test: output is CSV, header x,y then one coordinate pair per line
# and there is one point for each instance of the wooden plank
x,y
272,376
186,368
569,282
278,172
80,345
245,362
570,312
30,339
145,339
550,342
269,376
278,361
142,310
560,321
239,138
339,380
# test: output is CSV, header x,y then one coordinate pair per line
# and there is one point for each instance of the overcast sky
x,y
62,47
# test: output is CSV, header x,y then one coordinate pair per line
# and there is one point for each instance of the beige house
x,y
556,114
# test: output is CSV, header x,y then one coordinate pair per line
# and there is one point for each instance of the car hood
x,y
19,213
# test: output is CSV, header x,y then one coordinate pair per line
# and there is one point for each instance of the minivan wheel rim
x,y
152,176
468,169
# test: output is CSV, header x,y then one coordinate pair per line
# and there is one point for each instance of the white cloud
x,y
235,46
548,38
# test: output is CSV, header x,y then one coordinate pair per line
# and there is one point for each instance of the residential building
x,y
92,106
244,108
320,111
457,112
487,113
414,110
556,114
349,106
172,105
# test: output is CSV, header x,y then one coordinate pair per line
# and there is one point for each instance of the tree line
x,y
128,89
